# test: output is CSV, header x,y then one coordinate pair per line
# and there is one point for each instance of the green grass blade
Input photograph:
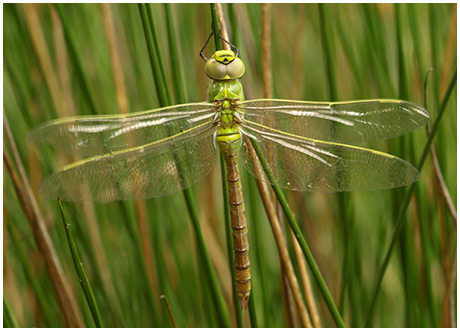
x,y
155,65
435,47
42,299
156,44
326,39
260,271
399,222
9,321
215,27
71,44
83,280
252,310
234,24
403,92
204,256
300,238
188,195
174,55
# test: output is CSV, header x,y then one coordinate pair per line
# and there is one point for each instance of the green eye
x,y
235,69
220,71
215,70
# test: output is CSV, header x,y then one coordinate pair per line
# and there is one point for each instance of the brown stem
x,y
280,241
223,26
44,59
66,299
448,300
305,278
163,297
109,28
267,77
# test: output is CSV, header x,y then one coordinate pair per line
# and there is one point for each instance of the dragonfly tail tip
x,y
244,302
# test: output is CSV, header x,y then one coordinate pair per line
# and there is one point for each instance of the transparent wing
x,y
304,164
152,170
344,122
99,135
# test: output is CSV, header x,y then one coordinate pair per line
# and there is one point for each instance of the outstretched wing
x,y
155,169
341,122
305,164
99,135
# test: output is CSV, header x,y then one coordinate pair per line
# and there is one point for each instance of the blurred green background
x,y
60,61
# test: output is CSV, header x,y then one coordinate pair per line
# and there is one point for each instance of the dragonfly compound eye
x,y
224,65
235,69
215,70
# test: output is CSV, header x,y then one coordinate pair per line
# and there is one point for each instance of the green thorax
x,y
226,96
226,92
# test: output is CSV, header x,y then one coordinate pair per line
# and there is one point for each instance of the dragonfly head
x,y
224,65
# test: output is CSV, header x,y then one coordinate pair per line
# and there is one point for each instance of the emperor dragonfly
x,y
162,151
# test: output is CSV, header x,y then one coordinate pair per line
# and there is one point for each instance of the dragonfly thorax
x,y
225,90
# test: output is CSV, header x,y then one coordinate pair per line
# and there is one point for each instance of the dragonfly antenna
x,y
237,51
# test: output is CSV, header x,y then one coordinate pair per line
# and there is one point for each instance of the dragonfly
x,y
310,146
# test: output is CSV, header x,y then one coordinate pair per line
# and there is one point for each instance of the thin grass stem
x,y
300,238
9,321
305,278
83,280
402,211
23,190
43,300
168,307
188,195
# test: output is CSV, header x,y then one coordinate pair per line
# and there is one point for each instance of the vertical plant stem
x,y
233,23
215,26
301,240
42,298
176,67
281,242
88,96
267,72
155,65
291,285
434,38
309,295
43,56
168,307
223,25
9,321
267,198
123,105
66,299
402,212
448,318
88,208
326,39
188,195
437,168
109,27
209,271
156,44
83,280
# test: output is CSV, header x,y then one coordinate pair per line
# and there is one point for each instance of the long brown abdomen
x,y
239,224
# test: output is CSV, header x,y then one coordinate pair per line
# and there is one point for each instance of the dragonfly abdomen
x,y
230,145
